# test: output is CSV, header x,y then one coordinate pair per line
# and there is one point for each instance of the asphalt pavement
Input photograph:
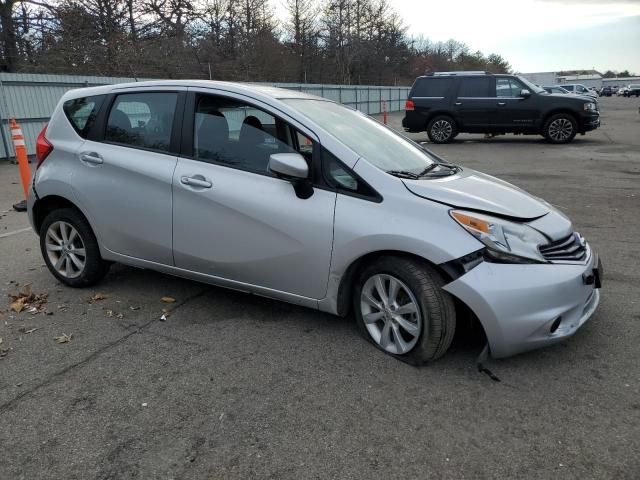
x,y
237,386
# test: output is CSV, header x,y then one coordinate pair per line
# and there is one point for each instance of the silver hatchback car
x,y
302,199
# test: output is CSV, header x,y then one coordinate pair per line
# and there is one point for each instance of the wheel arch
x,y
556,111
348,279
45,205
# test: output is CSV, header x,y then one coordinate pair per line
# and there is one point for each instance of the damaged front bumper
x,y
523,307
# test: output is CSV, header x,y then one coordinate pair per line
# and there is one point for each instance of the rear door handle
x,y
502,104
458,103
196,181
91,157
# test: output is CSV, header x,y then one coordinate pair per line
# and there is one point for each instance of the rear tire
x,y
413,319
70,248
560,128
442,129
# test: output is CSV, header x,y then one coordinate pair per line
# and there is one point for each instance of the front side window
x,y
474,87
508,88
233,133
82,113
142,120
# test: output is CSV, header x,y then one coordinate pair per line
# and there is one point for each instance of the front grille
x,y
572,248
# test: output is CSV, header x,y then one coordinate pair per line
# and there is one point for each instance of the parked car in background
x,y
606,92
579,89
632,90
444,104
302,199
557,90
622,91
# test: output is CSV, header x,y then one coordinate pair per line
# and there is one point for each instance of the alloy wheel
x,y
441,130
65,249
560,129
390,313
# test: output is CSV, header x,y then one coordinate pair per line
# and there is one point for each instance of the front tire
x,y
560,128
401,308
70,249
442,129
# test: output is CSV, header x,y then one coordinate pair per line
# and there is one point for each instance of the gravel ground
x,y
237,386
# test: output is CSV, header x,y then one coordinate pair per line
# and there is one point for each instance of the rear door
x,y
474,105
514,111
234,219
125,173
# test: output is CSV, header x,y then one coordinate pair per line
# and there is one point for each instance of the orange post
x,y
21,155
384,111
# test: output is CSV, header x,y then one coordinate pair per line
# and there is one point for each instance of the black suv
x,y
445,104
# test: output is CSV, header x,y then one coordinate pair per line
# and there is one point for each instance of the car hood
x,y
476,191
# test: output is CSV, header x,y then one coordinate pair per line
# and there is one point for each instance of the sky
x,y
535,35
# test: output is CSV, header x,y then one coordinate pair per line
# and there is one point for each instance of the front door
x,y
514,112
234,219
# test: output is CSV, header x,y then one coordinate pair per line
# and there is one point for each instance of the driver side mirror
x,y
525,93
292,167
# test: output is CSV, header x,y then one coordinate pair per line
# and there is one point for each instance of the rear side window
x,y
508,88
431,87
475,87
82,113
142,120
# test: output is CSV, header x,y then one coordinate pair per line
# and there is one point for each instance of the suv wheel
x,y
560,128
401,308
442,129
70,248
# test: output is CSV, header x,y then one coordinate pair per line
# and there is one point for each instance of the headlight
x,y
589,107
505,241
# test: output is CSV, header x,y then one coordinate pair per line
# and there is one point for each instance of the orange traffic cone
x,y
23,162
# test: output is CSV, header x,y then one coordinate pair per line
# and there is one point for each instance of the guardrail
x,y
31,98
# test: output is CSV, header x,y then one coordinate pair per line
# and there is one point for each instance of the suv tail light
x,y
409,104
43,147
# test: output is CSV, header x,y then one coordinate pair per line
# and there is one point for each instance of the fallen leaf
x,y
109,313
134,308
3,352
0,340
18,305
163,318
64,338
168,299
98,296
120,316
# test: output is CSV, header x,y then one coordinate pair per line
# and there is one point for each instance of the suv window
x,y
568,87
82,113
142,120
508,88
238,135
431,87
475,87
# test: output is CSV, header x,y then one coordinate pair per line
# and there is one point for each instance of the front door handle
x,y
196,181
458,104
91,157
502,104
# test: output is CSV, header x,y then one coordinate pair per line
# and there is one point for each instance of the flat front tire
x,y
70,249
442,129
401,308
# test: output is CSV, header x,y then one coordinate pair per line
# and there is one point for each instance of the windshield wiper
x,y
403,174
452,169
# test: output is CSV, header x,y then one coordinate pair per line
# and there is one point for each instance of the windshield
x,y
531,86
378,144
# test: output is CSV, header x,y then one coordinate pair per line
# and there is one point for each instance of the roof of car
x,y
251,89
